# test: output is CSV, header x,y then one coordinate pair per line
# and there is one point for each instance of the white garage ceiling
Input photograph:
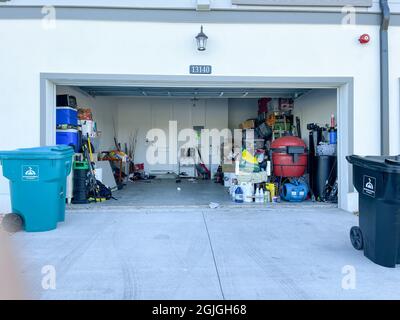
x,y
116,91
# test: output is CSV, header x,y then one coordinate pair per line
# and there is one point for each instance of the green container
x,y
81,165
38,179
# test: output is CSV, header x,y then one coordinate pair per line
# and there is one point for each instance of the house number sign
x,y
200,69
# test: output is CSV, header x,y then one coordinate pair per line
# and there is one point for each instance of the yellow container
x,y
272,189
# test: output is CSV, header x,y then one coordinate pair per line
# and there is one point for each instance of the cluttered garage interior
x,y
197,146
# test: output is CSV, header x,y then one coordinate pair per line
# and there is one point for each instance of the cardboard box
x,y
248,124
228,168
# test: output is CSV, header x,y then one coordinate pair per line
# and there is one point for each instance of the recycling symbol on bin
x,y
30,172
369,184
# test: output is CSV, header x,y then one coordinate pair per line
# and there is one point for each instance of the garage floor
x,y
158,193
165,192
274,253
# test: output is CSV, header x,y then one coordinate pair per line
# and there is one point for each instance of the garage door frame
x,y
345,105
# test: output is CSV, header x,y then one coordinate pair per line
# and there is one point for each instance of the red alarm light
x,y
365,38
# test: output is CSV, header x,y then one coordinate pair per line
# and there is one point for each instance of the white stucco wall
x,y
394,71
115,47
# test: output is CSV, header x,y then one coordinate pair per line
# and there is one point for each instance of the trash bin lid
x,y
50,153
389,164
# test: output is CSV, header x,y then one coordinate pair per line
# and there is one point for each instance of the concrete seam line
x,y
213,255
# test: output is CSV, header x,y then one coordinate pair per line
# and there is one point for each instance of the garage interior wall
x,y
144,114
316,106
240,110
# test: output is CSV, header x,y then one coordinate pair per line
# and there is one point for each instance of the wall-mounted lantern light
x,y
201,39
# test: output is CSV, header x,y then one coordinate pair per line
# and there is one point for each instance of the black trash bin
x,y
377,180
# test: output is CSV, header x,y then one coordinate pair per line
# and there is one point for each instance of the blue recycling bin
x,y
38,179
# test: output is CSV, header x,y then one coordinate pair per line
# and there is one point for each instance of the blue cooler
x,y
66,115
69,137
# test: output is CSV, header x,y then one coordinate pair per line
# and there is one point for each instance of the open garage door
x,y
121,110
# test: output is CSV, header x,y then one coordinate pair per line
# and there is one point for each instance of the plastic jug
x,y
247,191
239,195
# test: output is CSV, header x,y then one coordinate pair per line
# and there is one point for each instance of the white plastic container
x,y
261,198
88,128
247,191
267,196
232,190
257,196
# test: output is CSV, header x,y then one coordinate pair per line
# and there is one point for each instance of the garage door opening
x,y
149,144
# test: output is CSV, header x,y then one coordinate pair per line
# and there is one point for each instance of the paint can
x,y
275,199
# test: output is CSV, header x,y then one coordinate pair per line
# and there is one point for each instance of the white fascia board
x,y
142,4
322,3
188,5
203,5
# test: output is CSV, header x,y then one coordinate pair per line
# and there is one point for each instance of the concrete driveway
x,y
276,253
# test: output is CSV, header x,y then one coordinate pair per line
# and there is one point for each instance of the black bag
x,y
104,192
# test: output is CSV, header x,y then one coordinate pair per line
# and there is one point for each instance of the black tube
x,y
384,74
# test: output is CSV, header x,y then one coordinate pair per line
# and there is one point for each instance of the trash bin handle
x,y
393,162
67,166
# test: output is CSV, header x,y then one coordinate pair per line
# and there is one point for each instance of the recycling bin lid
x,y
50,153
389,164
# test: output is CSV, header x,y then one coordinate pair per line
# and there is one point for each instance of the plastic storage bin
x,y
38,184
66,115
69,137
377,180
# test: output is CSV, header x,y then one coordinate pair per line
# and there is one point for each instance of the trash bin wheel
x,y
12,223
356,238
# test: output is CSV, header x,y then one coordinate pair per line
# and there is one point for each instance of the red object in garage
x,y
365,38
263,105
289,157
